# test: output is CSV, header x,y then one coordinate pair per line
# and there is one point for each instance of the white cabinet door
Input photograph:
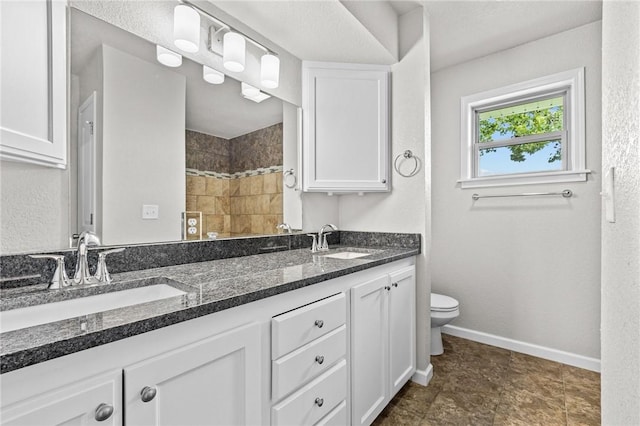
x,y
94,401
369,350
216,381
402,328
33,82
346,127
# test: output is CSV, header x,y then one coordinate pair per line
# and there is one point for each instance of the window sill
x,y
525,179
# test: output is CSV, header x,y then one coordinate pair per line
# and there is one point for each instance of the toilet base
x,y
436,341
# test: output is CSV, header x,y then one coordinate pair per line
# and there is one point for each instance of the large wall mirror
x,y
150,142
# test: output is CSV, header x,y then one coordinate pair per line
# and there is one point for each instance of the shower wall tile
x,y
234,187
206,204
196,185
242,204
269,183
222,205
259,149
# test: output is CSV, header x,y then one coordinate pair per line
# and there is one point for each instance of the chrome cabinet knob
x,y
386,287
103,412
320,359
148,393
384,181
319,323
319,402
395,284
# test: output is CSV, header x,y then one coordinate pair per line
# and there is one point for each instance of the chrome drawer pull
x,y
147,393
319,402
103,412
319,323
320,359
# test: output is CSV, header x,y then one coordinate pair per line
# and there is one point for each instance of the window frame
x,y
571,83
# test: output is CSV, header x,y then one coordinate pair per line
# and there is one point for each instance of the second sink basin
x,y
346,255
15,319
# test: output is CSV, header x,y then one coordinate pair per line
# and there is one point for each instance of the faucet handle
x,y
102,273
314,246
60,278
324,245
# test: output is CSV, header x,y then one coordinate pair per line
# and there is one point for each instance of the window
x,y
531,132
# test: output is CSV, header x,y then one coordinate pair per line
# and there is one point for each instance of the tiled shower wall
x,y
236,183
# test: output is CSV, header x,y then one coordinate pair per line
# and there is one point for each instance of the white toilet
x,y
443,310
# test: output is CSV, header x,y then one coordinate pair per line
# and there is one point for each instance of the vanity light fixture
x,y
233,51
167,57
269,70
186,28
212,76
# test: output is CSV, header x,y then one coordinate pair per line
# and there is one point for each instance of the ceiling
x,y
325,30
465,30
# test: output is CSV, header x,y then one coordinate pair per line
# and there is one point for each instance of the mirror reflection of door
x,y
87,165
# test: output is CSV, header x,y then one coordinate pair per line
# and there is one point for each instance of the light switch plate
x,y
150,211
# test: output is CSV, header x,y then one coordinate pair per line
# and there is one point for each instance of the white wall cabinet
x,y
382,341
212,382
346,127
91,401
33,82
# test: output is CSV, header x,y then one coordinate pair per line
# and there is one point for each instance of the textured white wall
x,y
621,240
144,117
406,208
526,269
34,208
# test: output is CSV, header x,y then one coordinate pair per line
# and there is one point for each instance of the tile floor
x,y
476,384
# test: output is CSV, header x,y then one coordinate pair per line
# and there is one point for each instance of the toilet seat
x,y
442,303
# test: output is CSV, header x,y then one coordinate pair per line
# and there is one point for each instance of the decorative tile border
x,y
247,173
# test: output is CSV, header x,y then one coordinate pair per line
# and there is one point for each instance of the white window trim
x,y
576,156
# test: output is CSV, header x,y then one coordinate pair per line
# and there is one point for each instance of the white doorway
x,y
87,165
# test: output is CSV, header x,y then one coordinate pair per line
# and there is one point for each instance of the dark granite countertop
x,y
209,287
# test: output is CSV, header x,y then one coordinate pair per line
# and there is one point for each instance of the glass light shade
x,y
212,76
249,91
233,52
269,71
167,57
186,28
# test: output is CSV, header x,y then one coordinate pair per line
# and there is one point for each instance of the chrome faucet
x,y
322,236
285,227
82,275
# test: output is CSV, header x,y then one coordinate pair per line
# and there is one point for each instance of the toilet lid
x,y
442,303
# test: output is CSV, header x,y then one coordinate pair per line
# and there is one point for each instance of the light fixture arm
x,y
224,27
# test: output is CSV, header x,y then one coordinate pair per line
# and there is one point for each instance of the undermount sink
x,y
15,319
346,255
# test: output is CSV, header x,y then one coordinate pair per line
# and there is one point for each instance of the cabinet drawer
x,y
298,327
298,367
337,417
315,400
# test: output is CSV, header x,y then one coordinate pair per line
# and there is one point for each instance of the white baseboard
x,y
423,377
563,357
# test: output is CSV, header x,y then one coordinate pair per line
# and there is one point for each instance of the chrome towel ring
x,y
407,155
286,178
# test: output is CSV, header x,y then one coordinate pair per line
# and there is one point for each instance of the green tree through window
x,y
538,121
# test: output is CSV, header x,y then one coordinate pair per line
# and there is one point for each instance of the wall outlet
x,y
150,211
